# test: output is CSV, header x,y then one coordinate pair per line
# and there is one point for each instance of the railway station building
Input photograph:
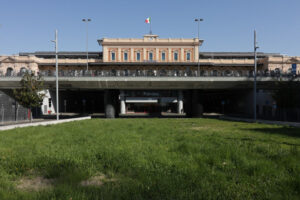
x,y
149,75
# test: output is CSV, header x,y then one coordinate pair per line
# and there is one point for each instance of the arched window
x,y
113,72
150,72
251,73
23,71
162,72
9,71
228,73
239,73
215,73
175,72
202,72
126,72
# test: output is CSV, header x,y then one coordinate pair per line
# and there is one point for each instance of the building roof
x,y
236,55
230,55
63,54
98,54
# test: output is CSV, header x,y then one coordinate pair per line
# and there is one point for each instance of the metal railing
x,y
157,73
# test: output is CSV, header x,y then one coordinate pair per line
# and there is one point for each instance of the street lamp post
x,y
87,39
198,20
56,68
255,69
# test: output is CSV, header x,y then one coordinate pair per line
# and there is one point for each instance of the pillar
x,y
197,107
122,102
110,111
192,103
180,102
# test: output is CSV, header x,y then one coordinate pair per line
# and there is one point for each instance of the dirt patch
x,y
35,184
96,180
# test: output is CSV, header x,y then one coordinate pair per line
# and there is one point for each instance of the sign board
x,y
294,68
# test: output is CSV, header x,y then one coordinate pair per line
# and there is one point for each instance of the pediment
x,y
294,60
8,60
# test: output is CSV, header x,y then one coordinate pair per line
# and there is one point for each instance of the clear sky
x,y
228,25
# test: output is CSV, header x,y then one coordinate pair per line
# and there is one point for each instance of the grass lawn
x,y
150,159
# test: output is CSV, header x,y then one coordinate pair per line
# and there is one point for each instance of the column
x,y
157,54
181,55
180,102
109,104
122,102
105,53
144,53
196,106
170,59
119,55
131,55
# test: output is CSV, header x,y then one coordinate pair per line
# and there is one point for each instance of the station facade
x,y
149,56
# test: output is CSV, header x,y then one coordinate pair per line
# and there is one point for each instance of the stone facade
x,y
148,53
282,63
150,49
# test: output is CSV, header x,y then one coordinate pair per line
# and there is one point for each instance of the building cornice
x,y
144,42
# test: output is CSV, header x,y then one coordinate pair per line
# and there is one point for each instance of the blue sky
x,y
228,24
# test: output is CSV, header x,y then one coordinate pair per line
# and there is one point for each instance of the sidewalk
x,y
292,124
41,123
22,122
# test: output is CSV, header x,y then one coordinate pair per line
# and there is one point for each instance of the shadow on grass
x,y
252,140
285,131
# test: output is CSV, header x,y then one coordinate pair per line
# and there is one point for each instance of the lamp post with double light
x,y
56,67
198,20
87,39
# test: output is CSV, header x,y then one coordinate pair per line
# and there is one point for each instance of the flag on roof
x,y
148,20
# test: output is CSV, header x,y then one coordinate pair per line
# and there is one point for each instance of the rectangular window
x,y
125,56
151,56
163,56
113,56
188,56
138,56
175,56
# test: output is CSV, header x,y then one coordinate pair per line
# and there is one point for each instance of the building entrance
x,y
151,101
143,108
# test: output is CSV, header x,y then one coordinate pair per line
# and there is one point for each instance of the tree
x,y
29,94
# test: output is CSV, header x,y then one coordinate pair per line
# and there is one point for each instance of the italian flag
x,y
148,20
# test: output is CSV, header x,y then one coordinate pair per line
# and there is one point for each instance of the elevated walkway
x,y
151,82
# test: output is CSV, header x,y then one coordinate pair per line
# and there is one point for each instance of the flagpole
x,y
150,27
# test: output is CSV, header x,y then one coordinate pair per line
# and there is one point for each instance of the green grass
x,y
153,159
